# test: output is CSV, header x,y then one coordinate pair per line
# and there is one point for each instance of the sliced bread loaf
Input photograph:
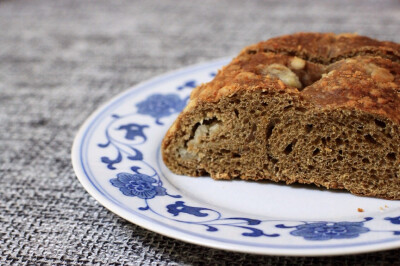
x,y
311,108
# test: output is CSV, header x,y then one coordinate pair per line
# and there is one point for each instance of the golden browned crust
x,y
370,84
327,47
347,83
321,75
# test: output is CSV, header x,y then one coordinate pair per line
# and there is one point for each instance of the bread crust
x,y
321,72
327,48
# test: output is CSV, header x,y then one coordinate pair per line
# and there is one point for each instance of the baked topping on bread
x,y
308,108
283,73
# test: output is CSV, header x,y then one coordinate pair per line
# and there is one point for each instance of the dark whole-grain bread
x,y
311,108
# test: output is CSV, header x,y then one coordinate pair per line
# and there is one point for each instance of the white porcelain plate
x,y
116,156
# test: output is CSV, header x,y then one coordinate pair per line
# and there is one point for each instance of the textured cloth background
x,y
60,60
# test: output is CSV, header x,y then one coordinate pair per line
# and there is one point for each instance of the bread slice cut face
x,y
311,108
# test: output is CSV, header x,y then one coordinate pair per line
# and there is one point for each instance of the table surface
x,y
60,60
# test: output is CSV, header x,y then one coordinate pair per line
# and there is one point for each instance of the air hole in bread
x,y
236,101
272,159
194,128
301,109
339,141
288,149
391,156
270,128
210,121
370,139
315,152
287,107
380,123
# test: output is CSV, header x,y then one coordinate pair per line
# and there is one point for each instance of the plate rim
x,y
155,226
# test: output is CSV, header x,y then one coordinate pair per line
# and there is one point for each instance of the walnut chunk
x,y
283,73
185,154
246,75
214,128
379,74
297,63
200,132
203,131
382,75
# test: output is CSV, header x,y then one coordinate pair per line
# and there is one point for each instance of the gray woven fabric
x,y
59,60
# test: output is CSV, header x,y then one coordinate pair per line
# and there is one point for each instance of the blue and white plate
x,y
116,156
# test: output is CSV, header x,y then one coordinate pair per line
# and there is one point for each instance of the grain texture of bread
x,y
312,108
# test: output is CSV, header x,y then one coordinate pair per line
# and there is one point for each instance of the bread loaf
x,y
311,108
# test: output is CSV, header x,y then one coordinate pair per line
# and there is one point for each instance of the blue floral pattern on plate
x,y
328,230
161,105
139,185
